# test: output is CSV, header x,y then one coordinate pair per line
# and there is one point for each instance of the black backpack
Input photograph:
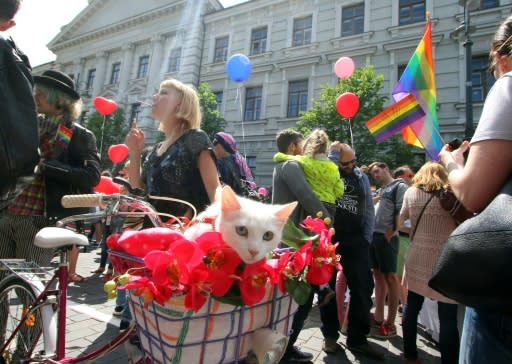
x,y
19,137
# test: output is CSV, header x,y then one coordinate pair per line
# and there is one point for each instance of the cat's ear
x,y
285,211
229,202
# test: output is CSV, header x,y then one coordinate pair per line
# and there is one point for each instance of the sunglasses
x,y
344,164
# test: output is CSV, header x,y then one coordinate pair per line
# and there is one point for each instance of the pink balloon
x,y
104,106
347,104
344,67
117,153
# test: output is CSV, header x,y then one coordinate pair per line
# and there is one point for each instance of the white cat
x,y
251,228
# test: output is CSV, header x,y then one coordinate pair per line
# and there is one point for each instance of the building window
x,y
411,11
82,118
116,71
221,49
90,78
297,98
352,20
399,71
488,4
134,112
253,103
481,78
143,67
259,41
302,29
219,95
174,60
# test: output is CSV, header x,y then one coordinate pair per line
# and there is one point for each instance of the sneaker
x,y
325,296
331,346
384,331
367,350
118,311
124,325
294,354
374,323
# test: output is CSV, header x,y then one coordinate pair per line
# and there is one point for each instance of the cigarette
x,y
144,103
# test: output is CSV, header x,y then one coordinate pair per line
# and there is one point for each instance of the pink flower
x,y
146,288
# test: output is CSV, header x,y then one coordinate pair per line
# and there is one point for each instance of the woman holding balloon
x,y
183,165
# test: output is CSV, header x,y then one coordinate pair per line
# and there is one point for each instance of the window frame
x,y
483,74
261,42
411,18
220,51
293,108
143,68
115,73
302,31
91,76
175,60
135,110
252,105
352,19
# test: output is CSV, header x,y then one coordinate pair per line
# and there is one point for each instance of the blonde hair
x,y
189,111
431,176
316,143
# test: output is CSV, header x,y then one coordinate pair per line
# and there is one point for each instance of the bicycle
x,y
33,300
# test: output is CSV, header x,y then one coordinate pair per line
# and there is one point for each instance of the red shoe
x,y
384,331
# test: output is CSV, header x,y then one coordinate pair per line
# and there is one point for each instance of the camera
x,y
455,143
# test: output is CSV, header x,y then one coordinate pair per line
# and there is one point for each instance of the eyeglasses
x,y
344,164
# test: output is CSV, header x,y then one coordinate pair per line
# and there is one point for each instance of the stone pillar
x,y
155,66
101,66
126,67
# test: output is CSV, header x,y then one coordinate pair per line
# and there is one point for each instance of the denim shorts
x,y
384,254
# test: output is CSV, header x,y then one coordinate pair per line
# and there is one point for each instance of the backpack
x,y
19,137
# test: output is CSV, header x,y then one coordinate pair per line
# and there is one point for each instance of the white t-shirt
x,y
496,119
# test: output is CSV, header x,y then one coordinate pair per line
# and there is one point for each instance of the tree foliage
x,y
114,131
366,85
211,122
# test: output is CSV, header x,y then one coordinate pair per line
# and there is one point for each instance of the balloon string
x,y
101,140
239,98
351,135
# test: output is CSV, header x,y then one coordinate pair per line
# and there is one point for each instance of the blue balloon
x,y
239,67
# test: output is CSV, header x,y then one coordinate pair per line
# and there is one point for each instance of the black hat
x,y
60,81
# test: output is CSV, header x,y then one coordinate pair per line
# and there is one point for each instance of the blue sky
x,y
38,22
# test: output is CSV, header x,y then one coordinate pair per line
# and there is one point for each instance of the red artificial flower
x,y
146,288
199,288
290,266
171,268
254,281
323,260
315,225
217,254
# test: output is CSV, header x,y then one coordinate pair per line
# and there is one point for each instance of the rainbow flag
x,y
418,80
63,136
395,118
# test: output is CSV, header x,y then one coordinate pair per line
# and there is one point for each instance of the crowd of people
x,y
322,176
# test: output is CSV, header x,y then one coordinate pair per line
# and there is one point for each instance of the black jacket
x,y
73,170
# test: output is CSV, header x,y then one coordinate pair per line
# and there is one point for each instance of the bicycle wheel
x,y
16,296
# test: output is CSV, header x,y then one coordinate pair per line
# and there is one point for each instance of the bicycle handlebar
x,y
86,200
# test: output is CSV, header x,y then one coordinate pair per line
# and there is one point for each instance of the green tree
x,y
212,122
114,132
366,85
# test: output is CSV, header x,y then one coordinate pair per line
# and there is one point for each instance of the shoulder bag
x,y
450,203
474,267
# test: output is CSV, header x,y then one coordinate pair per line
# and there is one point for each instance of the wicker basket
x,y
217,333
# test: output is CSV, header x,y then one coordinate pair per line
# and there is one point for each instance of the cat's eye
x,y
269,235
241,230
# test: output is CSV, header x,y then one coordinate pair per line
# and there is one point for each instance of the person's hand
x,y
453,159
135,139
389,234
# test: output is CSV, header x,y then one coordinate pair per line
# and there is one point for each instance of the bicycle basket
x,y
217,333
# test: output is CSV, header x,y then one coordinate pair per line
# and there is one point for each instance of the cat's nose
x,y
253,252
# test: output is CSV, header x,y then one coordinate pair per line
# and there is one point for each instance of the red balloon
x,y
347,104
104,106
117,153
107,186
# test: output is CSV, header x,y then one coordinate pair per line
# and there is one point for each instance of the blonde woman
x,y
183,165
430,227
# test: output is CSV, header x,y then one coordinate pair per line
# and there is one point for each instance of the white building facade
x,y
123,52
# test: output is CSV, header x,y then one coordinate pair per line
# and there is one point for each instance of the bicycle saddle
x,y
54,237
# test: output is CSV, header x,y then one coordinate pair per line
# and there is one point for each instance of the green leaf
x,y
295,237
300,290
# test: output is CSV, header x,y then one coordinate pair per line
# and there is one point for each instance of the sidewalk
x,y
90,323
